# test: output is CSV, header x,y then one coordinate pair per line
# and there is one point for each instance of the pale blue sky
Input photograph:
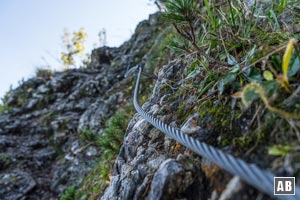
x,y
31,30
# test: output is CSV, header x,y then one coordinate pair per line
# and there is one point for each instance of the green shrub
x,y
112,137
88,136
4,107
69,194
44,73
98,179
237,51
5,161
74,47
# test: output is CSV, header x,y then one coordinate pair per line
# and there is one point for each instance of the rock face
x,y
148,166
41,150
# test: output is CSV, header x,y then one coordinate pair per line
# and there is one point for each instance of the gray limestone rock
x,y
145,168
169,180
40,133
15,184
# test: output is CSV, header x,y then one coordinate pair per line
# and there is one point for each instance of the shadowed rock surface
x,y
41,150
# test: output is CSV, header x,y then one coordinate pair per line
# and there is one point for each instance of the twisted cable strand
x,y
250,173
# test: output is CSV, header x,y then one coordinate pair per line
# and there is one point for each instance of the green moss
x,y
159,53
69,194
44,73
5,161
219,113
280,150
48,117
250,139
22,98
182,112
221,119
272,131
88,136
43,103
97,180
112,137
4,107
115,63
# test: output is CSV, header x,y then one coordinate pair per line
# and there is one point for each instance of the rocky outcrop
x,y
41,150
153,166
148,166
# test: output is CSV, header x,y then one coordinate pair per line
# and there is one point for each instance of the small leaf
x,y
276,61
231,60
235,69
193,73
193,65
282,6
294,67
228,78
254,75
249,54
249,96
246,71
279,150
270,87
272,15
286,58
268,75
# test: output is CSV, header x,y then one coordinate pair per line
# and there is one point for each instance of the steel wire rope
x,y
260,179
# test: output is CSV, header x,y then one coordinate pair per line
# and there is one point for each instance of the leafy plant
x,y
279,150
268,75
74,47
5,161
4,107
98,179
235,46
88,135
183,15
69,194
44,73
282,5
251,90
112,137
284,80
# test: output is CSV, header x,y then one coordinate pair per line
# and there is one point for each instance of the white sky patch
x,y
31,31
